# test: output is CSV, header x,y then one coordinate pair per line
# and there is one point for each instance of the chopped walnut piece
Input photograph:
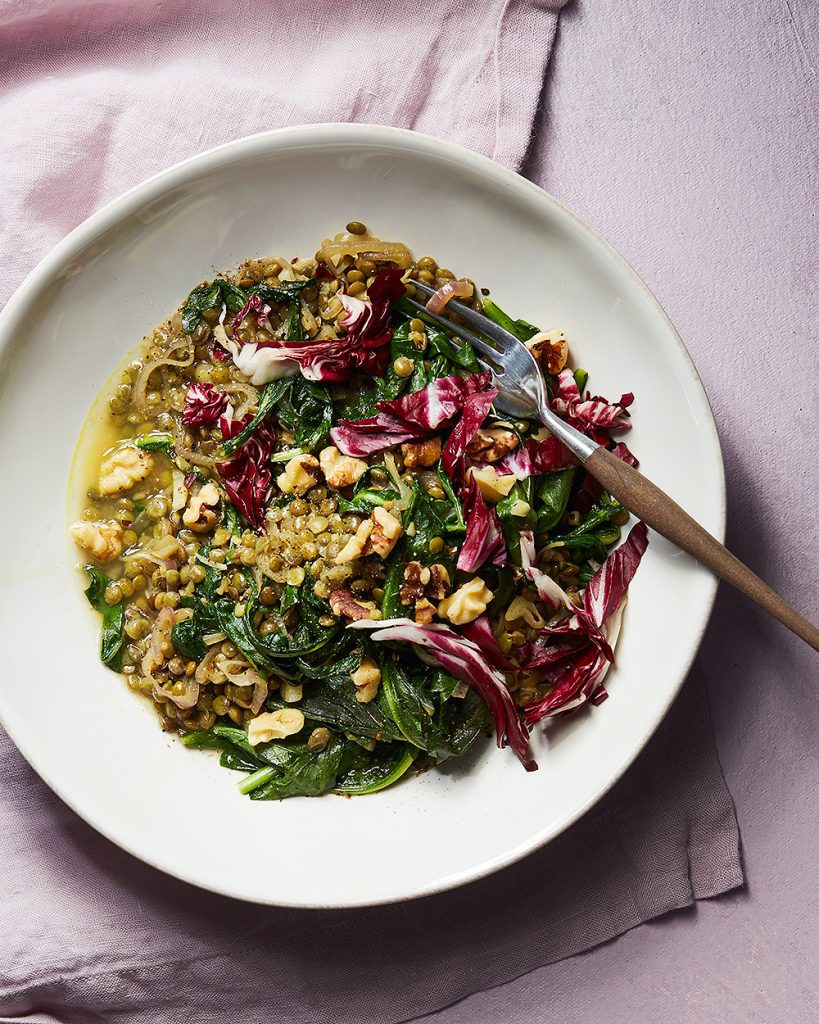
x,y
274,725
421,453
345,604
300,474
103,541
366,678
386,530
423,588
491,445
355,546
550,349
123,467
340,470
200,515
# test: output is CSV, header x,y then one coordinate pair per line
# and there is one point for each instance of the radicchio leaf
x,y
479,631
438,404
474,413
464,660
363,348
594,416
248,475
551,593
593,629
411,418
580,680
608,585
204,404
534,458
484,540
254,304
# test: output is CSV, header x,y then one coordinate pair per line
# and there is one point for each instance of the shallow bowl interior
x,y
122,272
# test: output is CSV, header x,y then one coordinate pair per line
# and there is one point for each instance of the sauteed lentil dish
x,y
317,549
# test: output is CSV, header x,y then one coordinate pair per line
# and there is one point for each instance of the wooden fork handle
x,y
664,515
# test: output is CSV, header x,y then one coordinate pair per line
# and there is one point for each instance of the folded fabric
x,y
97,96
92,934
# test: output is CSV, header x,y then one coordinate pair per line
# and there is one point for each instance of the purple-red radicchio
x,y
363,348
484,538
594,416
248,475
464,660
204,404
411,418
580,652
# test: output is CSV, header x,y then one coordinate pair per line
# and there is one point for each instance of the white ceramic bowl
x,y
123,271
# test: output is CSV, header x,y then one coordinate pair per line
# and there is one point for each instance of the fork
x,y
522,393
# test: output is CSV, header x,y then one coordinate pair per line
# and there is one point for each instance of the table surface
x,y
686,134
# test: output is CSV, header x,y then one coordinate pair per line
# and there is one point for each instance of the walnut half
x,y
424,586
491,445
344,603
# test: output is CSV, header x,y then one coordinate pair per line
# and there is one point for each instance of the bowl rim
x,y
341,134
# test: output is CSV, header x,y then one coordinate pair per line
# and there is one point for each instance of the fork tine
x,y
476,320
479,343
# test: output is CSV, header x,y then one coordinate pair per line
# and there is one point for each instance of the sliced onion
x,y
183,701
461,289
144,376
366,246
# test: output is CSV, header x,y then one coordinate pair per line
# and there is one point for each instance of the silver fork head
x,y
521,387
522,392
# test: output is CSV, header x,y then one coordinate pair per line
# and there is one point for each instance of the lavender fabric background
x,y
715,216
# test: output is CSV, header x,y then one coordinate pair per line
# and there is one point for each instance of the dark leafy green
x,y
429,519
156,443
308,775
521,329
188,635
270,396
365,501
280,294
596,532
112,636
306,409
211,296
363,772
269,651
405,703
552,492
512,524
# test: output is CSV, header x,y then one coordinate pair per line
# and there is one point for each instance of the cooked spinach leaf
x,y
362,772
365,501
429,519
306,409
280,294
188,634
552,491
270,396
112,637
521,329
596,532
211,296
405,702
269,651
461,355
156,443
308,775
520,498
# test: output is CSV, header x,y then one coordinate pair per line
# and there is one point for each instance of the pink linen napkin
x,y
97,96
